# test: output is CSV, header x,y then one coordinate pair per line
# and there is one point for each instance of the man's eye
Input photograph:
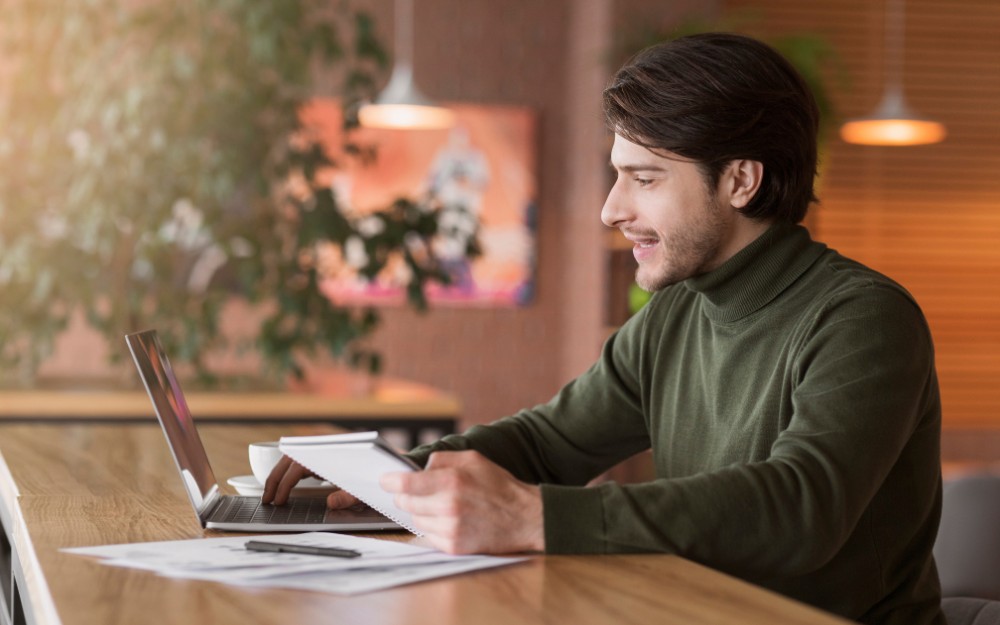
x,y
642,182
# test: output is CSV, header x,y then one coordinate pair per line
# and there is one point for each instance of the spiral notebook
x,y
354,462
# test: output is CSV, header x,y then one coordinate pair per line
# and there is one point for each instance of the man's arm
x,y
478,492
594,422
865,380
865,413
568,441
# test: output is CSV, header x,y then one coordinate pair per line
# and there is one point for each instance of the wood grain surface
x,y
88,484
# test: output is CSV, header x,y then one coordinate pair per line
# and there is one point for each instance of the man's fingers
x,y
445,459
393,482
283,478
438,504
292,476
421,482
463,503
340,499
277,473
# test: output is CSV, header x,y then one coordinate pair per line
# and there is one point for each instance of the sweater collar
x,y
756,274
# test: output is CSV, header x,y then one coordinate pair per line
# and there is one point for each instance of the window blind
x,y
927,216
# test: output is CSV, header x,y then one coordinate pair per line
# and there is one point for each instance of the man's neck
x,y
744,232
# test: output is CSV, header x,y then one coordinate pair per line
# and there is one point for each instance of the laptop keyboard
x,y
251,510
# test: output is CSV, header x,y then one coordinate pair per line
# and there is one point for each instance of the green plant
x,y
146,154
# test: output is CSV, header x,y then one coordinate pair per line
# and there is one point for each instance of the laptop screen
x,y
175,418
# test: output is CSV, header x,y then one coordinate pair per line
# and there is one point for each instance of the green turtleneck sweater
x,y
791,404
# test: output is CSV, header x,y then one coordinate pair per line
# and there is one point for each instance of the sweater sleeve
x,y
594,422
863,388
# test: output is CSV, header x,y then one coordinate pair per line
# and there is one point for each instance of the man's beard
x,y
688,253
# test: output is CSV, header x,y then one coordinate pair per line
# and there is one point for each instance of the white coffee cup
x,y
264,455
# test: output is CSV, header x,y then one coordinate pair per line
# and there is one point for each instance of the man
x,y
788,394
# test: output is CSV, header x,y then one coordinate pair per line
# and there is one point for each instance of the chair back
x,y
967,550
970,611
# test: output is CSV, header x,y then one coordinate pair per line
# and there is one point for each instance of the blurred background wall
x,y
927,216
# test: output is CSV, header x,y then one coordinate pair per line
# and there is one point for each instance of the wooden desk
x,y
419,411
66,485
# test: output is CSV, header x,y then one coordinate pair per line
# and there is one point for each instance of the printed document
x,y
382,564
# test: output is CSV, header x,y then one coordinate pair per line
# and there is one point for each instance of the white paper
x,y
355,464
268,575
231,552
359,581
383,563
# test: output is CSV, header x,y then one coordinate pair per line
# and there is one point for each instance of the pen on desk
x,y
335,552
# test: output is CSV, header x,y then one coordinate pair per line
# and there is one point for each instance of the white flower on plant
x,y
354,252
456,227
397,271
142,269
426,206
297,186
210,260
240,247
417,248
450,247
186,226
370,226
79,143
52,226
329,259
413,242
342,187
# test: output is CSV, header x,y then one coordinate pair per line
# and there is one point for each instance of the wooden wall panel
x,y
928,216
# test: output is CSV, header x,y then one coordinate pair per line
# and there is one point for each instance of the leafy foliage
x,y
145,154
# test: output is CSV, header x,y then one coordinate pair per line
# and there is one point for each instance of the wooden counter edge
x,y
33,590
121,404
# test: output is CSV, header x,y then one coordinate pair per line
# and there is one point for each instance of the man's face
x,y
662,203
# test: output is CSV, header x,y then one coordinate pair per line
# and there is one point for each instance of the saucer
x,y
309,487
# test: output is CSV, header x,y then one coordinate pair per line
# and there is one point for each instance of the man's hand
x,y
466,504
286,474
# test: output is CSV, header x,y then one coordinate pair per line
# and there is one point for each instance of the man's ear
x,y
742,180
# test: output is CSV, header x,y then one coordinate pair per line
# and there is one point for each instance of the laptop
x,y
216,510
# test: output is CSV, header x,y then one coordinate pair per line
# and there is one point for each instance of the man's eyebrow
x,y
637,167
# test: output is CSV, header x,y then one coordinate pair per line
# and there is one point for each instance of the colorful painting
x,y
483,167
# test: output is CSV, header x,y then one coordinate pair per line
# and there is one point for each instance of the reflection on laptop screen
x,y
174,416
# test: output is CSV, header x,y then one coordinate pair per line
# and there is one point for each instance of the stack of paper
x,y
382,564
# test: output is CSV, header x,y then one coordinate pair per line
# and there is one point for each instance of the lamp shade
x,y
892,123
402,106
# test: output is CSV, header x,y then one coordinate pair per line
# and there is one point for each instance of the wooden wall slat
x,y
927,216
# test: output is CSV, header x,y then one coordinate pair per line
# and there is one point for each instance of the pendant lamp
x,y
401,105
893,123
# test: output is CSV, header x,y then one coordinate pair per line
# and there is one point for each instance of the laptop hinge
x,y
212,502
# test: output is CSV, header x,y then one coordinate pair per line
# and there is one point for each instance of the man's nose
x,y
614,211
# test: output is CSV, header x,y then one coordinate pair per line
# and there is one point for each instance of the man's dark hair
x,y
717,97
